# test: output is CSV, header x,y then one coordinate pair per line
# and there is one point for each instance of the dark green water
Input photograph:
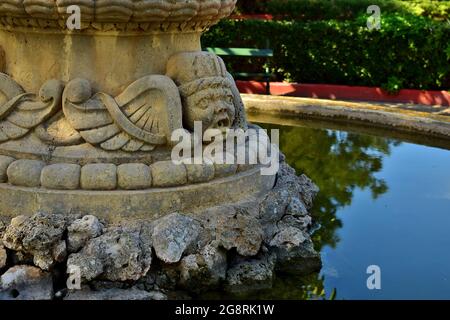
x,y
383,202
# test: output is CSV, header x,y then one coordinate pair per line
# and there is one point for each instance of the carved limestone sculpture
x,y
207,90
86,116
140,118
87,172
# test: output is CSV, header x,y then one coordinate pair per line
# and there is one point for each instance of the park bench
x,y
247,52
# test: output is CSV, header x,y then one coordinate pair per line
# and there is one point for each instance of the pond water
x,y
383,201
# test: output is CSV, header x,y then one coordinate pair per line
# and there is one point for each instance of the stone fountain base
x,y
88,114
234,247
124,205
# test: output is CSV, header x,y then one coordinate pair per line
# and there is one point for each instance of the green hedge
x,y
439,9
309,10
408,52
343,9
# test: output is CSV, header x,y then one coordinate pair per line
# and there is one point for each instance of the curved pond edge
x,y
359,113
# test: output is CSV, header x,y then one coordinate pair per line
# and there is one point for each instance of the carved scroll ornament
x,y
21,111
139,119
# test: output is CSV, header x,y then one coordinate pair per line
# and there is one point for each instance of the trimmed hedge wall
x,y
310,10
307,10
408,52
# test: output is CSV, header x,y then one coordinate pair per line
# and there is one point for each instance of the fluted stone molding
x,y
144,15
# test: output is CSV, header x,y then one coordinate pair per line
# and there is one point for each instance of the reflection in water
x,y
338,162
382,202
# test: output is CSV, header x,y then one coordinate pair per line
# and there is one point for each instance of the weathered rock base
x,y
233,248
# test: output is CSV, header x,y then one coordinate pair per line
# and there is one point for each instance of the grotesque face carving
x,y
205,89
212,104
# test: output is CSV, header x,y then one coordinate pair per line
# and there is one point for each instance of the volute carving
x,y
21,111
139,119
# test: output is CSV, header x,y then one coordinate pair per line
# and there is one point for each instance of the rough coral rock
x,y
2,231
26,283
296,207
164,276
3,257
59,251
40,235
292,195
121,254
295,252
81,231
251,274
173,235
302,223
236,246
18,257
300,186
289,237
272,210
204,270
234,227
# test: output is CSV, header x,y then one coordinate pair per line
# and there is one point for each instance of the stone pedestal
x,y
111,60
86,116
